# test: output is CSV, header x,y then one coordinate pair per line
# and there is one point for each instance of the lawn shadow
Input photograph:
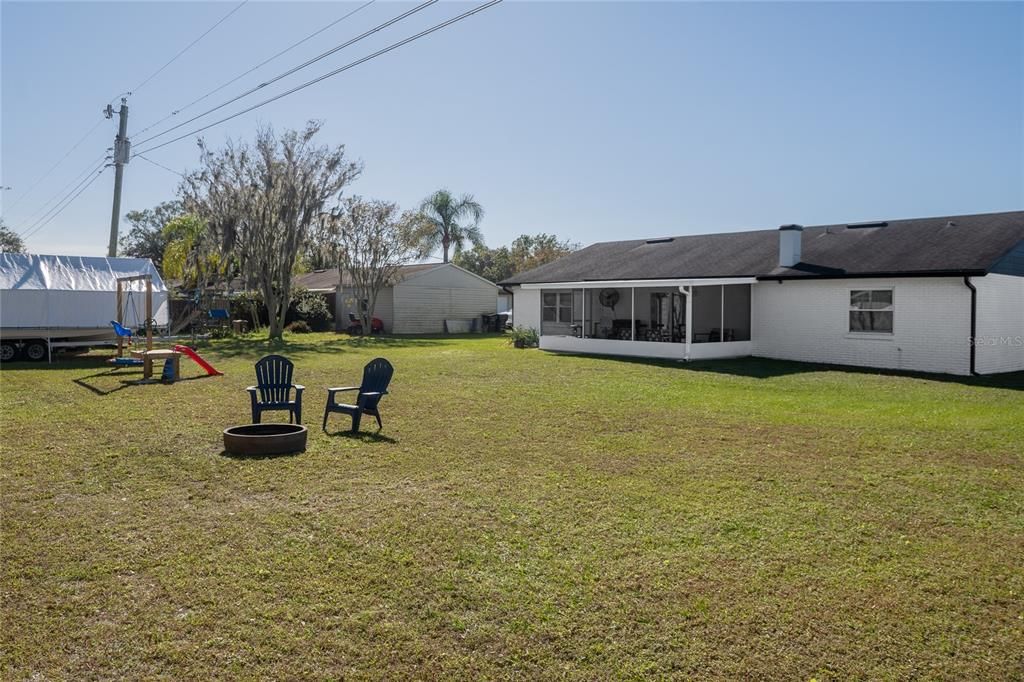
x,y
763,368
254,347
61,362
760,368
362,436
124,383
279,455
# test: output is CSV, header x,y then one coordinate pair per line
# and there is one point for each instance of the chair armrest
x,y
343,388
252,389
298,387
372,393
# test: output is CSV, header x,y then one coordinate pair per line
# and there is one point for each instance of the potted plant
x,y
524,337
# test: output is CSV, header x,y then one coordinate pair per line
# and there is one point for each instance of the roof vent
x,y
660,240
861,226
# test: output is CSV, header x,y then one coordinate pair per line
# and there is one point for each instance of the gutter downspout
x,y
974,321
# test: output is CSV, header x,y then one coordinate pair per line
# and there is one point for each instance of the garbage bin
x,y
490,323
240,326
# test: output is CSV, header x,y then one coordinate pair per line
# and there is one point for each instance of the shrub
x,y
299,327
312,308
248,305
524,337
221,332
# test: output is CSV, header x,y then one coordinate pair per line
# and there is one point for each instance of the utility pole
x,y
122,148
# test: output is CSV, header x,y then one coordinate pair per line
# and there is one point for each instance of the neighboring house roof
x,y
967,244
322,280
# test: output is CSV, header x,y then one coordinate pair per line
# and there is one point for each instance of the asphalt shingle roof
x,y
328,279
947,245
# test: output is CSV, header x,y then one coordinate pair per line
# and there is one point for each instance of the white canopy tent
x,y
52,293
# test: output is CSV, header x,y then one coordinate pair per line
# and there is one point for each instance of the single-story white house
x,y
425,298
939,295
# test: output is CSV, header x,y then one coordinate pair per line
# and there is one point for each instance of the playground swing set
x,y
126,337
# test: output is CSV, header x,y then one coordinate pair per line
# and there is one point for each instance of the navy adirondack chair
x,y
273,389
376,377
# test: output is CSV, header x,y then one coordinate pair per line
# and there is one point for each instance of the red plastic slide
x,y
185,350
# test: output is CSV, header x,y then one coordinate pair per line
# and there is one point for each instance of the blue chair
x,y
376,377
273,389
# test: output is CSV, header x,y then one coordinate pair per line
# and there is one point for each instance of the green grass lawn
x,y
522,514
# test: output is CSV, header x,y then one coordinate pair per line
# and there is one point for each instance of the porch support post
x,y
721,318
632,313
120,320
583,313
688,291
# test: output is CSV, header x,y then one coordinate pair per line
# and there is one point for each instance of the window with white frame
x,y
871,311
557,307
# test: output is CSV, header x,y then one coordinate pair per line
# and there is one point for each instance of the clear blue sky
x,y
593,121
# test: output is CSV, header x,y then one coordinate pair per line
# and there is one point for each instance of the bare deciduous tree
x,y
374,240
260,201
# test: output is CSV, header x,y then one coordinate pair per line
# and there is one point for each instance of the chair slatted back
x,y
376,378
274,378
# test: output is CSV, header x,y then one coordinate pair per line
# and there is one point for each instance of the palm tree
x,y
191,254
441,212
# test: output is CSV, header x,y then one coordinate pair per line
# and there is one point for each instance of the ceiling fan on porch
x,y
609,298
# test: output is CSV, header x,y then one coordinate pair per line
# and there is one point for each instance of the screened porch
x,y
680,319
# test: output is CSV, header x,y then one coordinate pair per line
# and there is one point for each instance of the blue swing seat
x,y
121,330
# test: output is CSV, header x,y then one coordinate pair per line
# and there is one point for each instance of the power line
x,y
54,166
66,155
329,74
258,66
189,46
158,165
61,191
82,178
66,204
289,72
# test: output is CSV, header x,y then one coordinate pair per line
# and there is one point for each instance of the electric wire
x,y
158,165
66,204
84,178
258,66
189,46
89,168
327,75
54,167
321,56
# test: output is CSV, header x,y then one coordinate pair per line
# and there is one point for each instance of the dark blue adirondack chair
x,y
274,387
376,377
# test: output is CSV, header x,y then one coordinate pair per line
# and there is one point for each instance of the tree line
x,y
266,211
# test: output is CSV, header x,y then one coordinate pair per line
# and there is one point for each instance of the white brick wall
x,y
1000,324
809,322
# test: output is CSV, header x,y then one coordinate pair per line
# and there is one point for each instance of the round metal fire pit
x,y
265,439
